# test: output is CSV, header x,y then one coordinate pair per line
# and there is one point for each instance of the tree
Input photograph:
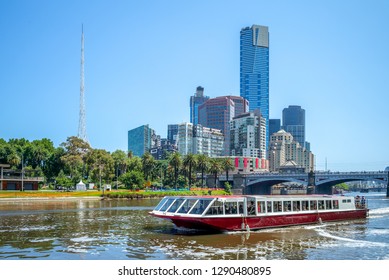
x,y
189,162
75,154
132,179
54,164
101,165
148,163
120,162
227,166
202,165
175,163
134,163
214,168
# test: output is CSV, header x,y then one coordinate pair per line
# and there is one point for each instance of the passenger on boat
x,y
357,201
251,209
363,202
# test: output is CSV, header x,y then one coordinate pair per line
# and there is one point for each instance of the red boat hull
x,y
262,222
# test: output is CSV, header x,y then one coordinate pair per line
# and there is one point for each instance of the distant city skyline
x,y
142,63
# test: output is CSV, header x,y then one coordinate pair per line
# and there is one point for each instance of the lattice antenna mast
x,y
82,121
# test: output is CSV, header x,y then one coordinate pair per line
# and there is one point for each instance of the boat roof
x,y
256,196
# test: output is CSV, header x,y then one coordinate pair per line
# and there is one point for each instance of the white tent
x,y
81,186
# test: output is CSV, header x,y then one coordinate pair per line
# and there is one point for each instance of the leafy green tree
x,y
120,161
63,181
74,158
101,165
132,179
54,164
39,151
134,164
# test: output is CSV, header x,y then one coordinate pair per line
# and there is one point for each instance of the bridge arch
x,y
264,185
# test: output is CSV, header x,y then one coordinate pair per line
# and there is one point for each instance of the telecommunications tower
x,y
82,122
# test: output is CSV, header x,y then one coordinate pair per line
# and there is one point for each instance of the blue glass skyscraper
x,y
254,70
195,102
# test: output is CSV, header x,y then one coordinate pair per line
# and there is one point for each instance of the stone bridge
x,y
321,182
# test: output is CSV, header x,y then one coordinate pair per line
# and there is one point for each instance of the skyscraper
x,y
195,102
254,69
248,135
293,121
172,132
274,126
218,112
142,139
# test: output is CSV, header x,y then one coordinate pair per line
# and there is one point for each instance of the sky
x,y
144,59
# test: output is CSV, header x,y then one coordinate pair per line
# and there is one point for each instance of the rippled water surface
x,y
96,229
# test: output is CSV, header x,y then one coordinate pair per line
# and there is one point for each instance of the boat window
x,y
277,206
216,208
346,200
305,205
175,205
328,204
250,208
200,206
261,207
186,206
320,204
160,204
167,204
240,207
313,204
230,208
296,206
268,203
335,204
287,206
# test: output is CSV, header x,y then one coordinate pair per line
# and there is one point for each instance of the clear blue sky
x,y
144,59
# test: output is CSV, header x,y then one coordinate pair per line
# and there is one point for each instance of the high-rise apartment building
x,y
142,139
218,112
248,135
196,139
283,149
195,102
254,69
293,121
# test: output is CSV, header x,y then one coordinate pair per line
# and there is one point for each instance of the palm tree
x,y
189,162
147,164
227,165
214,168
202,165
175,162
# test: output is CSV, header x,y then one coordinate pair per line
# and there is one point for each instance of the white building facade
x,y
248,135
197,139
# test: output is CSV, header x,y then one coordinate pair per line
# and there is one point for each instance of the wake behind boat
x,y
238,213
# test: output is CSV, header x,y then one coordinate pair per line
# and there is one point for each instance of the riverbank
x,y
94,194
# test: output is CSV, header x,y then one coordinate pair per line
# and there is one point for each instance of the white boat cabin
x,y
255,205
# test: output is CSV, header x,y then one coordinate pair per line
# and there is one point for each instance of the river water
x,y
85,229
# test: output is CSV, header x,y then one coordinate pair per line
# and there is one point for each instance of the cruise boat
x,y
244,213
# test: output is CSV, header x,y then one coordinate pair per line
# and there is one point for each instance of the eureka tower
x,y
254,70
